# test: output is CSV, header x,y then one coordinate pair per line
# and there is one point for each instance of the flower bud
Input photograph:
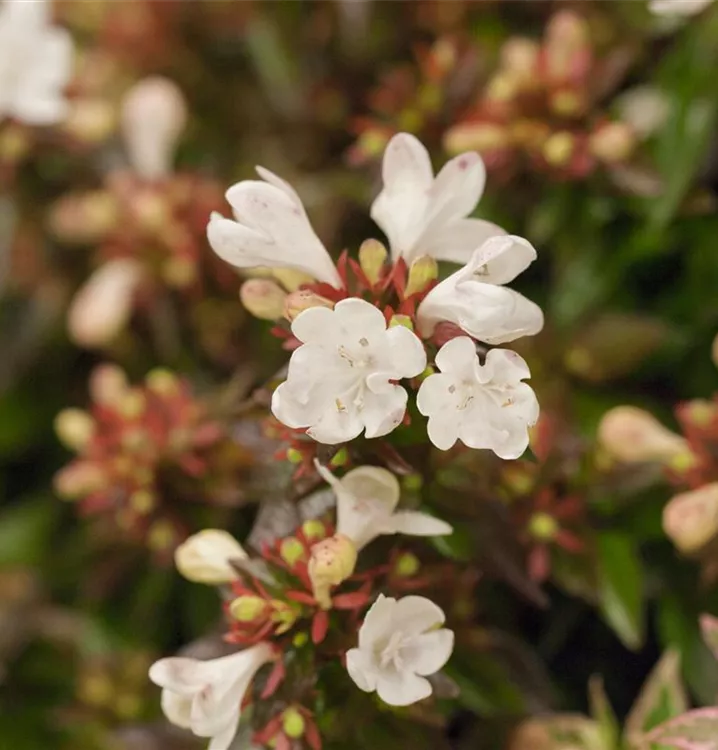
x,y
401,320
78,479
482,136
162,382
108,384
519,55
90,120
612,142
290,278
84,218
205,557
263,298
559,148
293,723
74,428
102,307
301,300
247,608
633,435
154,115
406,565
332,561
543,527
314,529
291,550
372,257
690,519
698,413
422,272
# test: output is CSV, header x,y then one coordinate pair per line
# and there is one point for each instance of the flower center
x,y
360,361
390,655
464,394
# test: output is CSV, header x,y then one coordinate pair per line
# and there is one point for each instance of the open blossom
x,y
341,381
400,643
366,507
206,557
475,299
426,215
35,63
484,406
271,228
206,696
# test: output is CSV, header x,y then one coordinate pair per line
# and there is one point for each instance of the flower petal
x,y
416,614
457,242
407,352
177,708
312,326
402,688
378,622
415,523
373,482
428,652
383,412
356,318
362,669
458,357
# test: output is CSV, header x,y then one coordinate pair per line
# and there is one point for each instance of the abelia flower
x,y
400,643
426,215
35,65
341,381
475,299
270,228
484,406
206,696
366,507
206,557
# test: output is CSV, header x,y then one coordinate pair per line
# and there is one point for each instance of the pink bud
x,y
691,518
101,308
154,115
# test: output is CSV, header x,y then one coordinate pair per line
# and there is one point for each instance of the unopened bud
x,y
567,102
633,435
142,502
290,278
406,565
179,272
102,307
482,136
332,561
90,120
422,272
263,298
559,148
162,382
340,458
205,557
613,142
247,608
162,536
301,300
79,479
291,550
74,428
519,55
84,218
543,527
690,519
154,115
108,384
699,412
293,723
372,257
294,456
314,529
401,320
132,404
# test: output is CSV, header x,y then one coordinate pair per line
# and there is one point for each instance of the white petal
x,y
314,325
336,426
272,229
373,482
458,357
402,688
435,395
358,319
499,260
378,622
177,708
457,188
381,413
223,741
443,430
407,352
400,207
428,652
180,674
419,524
504,364
362,669
458,241
416,614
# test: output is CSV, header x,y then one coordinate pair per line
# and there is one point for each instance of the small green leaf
x,y
620,578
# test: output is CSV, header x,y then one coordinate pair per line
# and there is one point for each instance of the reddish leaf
x,y
312,736
275,678
320,625
353,600
302,597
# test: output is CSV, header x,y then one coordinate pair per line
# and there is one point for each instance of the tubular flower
x,y
400,643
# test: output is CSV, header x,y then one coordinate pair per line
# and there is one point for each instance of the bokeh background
x,y
597,123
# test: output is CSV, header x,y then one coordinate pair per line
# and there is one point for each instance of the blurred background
x,y
597,124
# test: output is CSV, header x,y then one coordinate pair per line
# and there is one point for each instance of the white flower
x,y
103,305
484,406
206,696
399,644
340,382
271,229
366,507
678,7
35,63
474,299
154,113
425,215
205,557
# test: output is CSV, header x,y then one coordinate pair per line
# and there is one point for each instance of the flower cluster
x,y
541,106
357,336
146,454
306,592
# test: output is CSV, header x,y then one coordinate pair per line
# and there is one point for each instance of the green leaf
x,y
603,714
620,578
